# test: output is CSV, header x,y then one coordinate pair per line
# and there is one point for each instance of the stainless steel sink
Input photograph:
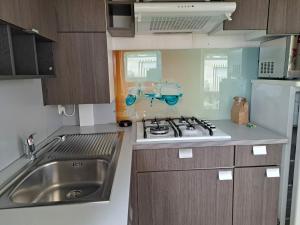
x,y
61,181
57,178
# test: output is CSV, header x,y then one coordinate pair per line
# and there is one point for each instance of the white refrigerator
x,y
275,105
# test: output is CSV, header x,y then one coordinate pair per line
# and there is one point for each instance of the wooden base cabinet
x,y
184,197
255,197
215,186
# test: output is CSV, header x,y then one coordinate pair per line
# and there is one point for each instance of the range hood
x,y
181,17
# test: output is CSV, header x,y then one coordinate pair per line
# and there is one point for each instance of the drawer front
x,y
184,159
258,155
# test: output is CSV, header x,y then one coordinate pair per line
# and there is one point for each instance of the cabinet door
x,y
184,197
81,68
36,15
45,19
255,197
81,15
9,11
249,15
284,17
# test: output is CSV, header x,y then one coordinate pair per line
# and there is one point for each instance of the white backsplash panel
x,y
208,80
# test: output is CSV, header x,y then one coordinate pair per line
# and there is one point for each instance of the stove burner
x,y
190,127
182,120
155,121
159,130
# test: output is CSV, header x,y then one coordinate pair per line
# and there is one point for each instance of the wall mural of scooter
x,y
167,92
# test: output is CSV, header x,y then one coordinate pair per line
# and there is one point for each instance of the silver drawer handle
x,y
225,175
185,153
272,172
259,150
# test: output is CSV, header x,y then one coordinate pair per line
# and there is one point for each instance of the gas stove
x,y
178,129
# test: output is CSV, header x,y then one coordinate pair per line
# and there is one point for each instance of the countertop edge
x,y
143,146
93,213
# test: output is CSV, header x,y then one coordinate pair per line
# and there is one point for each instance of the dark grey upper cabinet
x,y
184,197
33,15
81,15
24,55
249,15
120,27
82,75
284,17
255,197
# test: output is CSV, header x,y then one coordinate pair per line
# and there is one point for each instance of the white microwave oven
x,y
280,58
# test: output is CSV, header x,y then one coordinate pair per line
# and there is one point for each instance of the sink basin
x,y
80,168
62,181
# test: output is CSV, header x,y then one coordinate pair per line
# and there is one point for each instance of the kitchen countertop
x,y
240,135
113,212
116,210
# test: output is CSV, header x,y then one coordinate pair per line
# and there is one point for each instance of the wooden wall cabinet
x,y
249,15
45,19
82,70
120,18
284,17
81,15
82,55
33,15
24,55
275,16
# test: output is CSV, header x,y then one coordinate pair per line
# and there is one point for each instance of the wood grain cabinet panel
x,y
255,197
10,12
45,20
244,156
184,197
38,15
284,17
168,159
81,68
249,15
81,15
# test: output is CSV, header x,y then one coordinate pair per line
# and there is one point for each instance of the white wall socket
x,y
61,109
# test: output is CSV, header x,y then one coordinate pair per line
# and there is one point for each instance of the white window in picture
x,y
215,70
143,66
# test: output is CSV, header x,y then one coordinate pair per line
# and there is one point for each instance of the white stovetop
x,y
193,136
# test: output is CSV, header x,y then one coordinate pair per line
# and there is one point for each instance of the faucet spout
x,y
30,147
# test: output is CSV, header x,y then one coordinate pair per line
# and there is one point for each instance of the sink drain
x,y
74,194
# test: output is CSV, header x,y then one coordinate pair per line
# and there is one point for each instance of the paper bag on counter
x,y
240,111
